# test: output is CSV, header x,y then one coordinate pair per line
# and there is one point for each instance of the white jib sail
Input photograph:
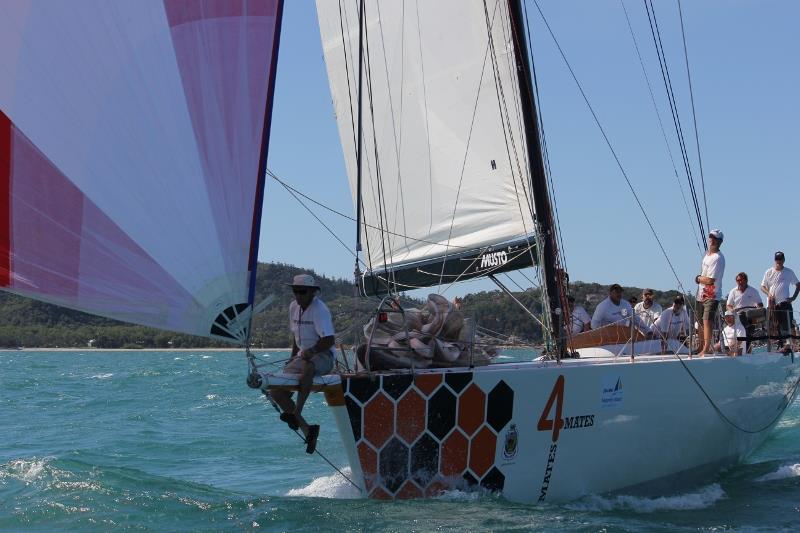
x,y
445,162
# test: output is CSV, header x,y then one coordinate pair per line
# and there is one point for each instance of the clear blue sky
x,y
744,67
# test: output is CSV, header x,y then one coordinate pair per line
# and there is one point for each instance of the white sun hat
x,y
304,280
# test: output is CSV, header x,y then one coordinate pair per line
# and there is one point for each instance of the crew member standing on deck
x,y
312,326
709,283
777,284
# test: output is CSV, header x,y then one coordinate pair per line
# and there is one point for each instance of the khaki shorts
x,y
323,364
706,309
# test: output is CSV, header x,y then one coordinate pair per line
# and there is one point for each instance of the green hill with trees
x,y
29,323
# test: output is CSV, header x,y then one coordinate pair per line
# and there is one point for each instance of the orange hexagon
x,y
436,488
410,416
380,494
408,491
369,462
378,420
471,409
454,454
427,383
481,455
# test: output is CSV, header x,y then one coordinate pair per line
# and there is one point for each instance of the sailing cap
x,y
615,287
779,256
717,234
304,280
728,313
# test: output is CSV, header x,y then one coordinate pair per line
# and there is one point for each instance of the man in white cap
x,y
709,284
312,326
776,284
729,339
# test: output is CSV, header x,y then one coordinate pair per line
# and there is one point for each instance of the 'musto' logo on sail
x,y
494,259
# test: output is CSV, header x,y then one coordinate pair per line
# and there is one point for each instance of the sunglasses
x,y
300,291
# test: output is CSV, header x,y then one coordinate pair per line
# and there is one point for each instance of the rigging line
x,y
348,217
673,110
325,226
344,21
724,417
662,58
398,142
661,125
694,115
296,432
427,125
383,211
610,147
507,132
487,273
342,16
466,147
543,137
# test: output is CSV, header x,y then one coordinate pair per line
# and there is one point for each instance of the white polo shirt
x,y
730,334
671,324
311,325
579,317
747,298
607,312
779,283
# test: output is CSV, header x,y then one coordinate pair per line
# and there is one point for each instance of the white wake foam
x,y
101,376
701,499
27,470
333,486
786,471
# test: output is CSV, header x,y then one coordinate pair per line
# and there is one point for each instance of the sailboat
x,y
169,238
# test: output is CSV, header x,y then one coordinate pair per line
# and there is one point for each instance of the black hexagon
x,y
458,380
354,412
441,413
500,406
470,479
395,386
394,464
494,480
363,388
424,459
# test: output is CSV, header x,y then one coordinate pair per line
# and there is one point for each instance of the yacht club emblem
x,y
510,446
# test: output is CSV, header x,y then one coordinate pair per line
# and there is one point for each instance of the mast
x,y
541,196
359,134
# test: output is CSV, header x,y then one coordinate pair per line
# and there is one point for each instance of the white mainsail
x,y
444,156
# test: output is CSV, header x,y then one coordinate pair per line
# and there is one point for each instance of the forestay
x,y
132,146
444,155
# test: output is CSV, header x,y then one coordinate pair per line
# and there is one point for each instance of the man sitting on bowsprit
x,y
312,326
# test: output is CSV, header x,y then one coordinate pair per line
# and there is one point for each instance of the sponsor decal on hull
x,y
611,391
554,407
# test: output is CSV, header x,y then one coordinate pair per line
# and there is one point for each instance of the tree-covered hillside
x,y
26,322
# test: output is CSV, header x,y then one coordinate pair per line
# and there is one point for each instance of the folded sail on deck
x,y
445,176
131,136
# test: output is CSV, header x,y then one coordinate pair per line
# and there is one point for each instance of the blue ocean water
x,y
175,441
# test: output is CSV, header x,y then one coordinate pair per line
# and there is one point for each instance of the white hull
x,y
632,427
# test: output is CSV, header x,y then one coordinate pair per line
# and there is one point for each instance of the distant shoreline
x,y
141,349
